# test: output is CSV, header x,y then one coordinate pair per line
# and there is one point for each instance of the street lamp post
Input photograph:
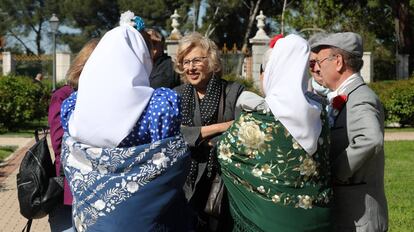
x,y
54,24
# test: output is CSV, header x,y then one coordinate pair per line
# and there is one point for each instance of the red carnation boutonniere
x,y
338,103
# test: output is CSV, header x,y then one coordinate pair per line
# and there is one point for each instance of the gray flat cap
x,y
347,41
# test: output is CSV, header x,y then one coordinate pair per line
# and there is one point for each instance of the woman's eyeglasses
x,y
196,61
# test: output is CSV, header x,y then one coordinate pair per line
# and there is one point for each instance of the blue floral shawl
x,y
128,189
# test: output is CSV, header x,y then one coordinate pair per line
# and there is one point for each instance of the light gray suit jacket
x,y
357,151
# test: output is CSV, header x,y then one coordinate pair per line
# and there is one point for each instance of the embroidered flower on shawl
x,y
160,160
261,189
295,144
305,201
132,187
99,204
102,169
276,198
266,169
308,167
225,152
257,172
94,152
77,159
251,135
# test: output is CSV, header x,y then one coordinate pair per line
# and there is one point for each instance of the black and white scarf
x,y
208,105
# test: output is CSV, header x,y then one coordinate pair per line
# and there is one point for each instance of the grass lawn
x,y
5,151
399,184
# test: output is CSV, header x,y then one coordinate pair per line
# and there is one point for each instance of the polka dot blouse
x,y
160,119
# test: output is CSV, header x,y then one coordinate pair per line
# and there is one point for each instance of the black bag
x,y
214,205
39,191
215,197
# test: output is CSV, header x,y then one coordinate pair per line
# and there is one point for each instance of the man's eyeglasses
x,y
196,61
319,62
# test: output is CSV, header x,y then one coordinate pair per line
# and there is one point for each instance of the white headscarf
x,y
284,84
113,89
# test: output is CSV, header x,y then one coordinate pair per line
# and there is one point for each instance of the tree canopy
x,y
384,24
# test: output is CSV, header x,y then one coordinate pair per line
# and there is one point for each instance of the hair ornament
x,y
126,18
274,40
139,23
129,18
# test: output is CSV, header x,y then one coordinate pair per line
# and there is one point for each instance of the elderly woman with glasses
x,y
208,109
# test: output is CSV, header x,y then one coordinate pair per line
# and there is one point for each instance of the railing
x,y
32,57
233,58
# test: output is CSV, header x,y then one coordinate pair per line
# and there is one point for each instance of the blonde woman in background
x,y
61,218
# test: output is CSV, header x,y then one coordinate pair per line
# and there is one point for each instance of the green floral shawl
x,y
272,183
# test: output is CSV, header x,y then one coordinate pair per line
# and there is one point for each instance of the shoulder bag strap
x,y
27,226
220,116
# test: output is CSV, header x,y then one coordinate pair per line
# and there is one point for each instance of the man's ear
x,y
340,63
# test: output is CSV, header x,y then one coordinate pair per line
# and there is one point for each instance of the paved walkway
x,y
393,136
10,218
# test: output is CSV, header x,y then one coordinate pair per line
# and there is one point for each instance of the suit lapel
x,y
340,119
354,85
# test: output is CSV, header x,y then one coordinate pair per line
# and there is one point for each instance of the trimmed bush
x,y
21,101
398,100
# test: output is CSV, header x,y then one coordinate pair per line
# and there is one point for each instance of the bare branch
x,y
283,17
28,50
210,31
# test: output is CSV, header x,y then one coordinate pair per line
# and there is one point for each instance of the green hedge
x,y
396,96
21,101
249,84
398,100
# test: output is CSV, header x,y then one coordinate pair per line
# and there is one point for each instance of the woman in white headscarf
x,y
274,159
122,151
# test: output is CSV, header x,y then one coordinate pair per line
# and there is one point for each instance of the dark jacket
x,y
163,74
197,194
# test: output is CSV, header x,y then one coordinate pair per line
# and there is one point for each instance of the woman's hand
x,y
213,129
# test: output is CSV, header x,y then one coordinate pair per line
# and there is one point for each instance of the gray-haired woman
x,y
208,109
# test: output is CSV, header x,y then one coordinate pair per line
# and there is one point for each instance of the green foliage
x,y
5,151
249,84
363,17
399,180
398,100
21,101
157,13
228,19
401,106
23,18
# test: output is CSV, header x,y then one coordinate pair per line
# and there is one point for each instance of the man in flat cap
x,y
357,135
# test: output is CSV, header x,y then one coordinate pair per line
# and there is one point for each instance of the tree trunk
x,y
196,5
254,8
403,29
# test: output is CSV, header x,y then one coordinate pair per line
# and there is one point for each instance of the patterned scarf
x,y
208,110
208,105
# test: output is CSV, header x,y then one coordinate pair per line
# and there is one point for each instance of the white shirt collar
x,y
342,87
